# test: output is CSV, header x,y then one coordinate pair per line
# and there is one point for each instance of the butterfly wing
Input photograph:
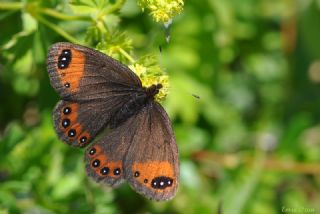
x,y
78,123
93,87
151,165
79,73
143,151
104,159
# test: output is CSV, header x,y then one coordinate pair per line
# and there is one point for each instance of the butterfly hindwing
x,y
143,150
80,73
104,159
151,164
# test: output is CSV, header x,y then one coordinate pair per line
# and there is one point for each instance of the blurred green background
x,y
250,144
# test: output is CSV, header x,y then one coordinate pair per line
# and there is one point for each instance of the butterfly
x,y
97,93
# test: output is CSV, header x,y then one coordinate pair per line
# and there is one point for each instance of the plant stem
x,y
11,6
115,7
270,163
125,54
58,15
57,29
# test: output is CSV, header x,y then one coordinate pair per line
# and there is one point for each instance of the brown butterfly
x,y
98,92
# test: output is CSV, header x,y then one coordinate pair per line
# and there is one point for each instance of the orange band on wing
x,y
71,75
155,168
148,172
69,112
101,165
72,129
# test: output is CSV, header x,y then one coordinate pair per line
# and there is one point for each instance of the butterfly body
x,y
98,92
140,99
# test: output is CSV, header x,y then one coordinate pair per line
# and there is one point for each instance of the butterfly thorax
x,y
138,100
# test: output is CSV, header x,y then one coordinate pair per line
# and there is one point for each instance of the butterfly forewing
x,y
81,73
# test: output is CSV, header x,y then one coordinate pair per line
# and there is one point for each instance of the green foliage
x,y
250,143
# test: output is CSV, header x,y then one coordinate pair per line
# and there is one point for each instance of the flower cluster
x,y
152,75
162,10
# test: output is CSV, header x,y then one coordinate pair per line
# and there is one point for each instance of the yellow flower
x,y
162,10
138,69
152,75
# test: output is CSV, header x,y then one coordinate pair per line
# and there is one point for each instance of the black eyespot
x,y
104,170
83,139
66,52
96,163
67,85
117,171
65,123
67,110
72,133
145,180
64,59
137,174
92,151
161,182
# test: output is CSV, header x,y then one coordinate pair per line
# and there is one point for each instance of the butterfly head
x,y
153,90
152,78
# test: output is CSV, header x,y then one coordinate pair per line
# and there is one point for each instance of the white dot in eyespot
x,y
161,183
169,182
64,59
154,183
62,65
